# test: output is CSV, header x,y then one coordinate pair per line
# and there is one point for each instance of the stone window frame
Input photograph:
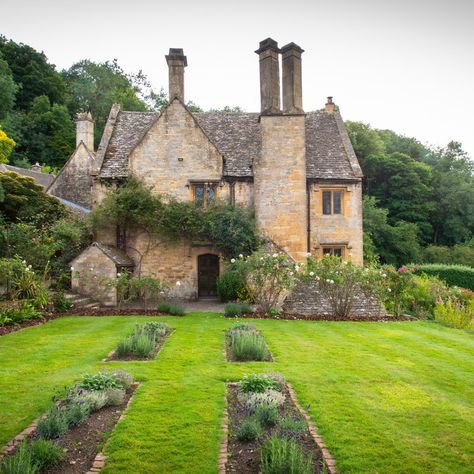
x,y
332,188
331,249
345,247
332,201
206,185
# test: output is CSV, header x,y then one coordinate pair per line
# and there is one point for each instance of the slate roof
x,y
43,179
119,257
329,154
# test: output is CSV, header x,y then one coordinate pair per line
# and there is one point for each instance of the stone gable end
x,y
174,152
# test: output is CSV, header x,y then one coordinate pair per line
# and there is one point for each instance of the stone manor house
x,y
296,169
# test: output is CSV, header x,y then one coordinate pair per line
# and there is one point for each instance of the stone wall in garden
x,y
306,299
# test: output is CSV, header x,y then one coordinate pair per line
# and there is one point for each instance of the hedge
x,y
454,275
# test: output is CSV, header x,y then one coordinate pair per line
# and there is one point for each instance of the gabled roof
x,y
43,179
237,136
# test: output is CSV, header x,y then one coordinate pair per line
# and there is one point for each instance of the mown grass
x,y
387,397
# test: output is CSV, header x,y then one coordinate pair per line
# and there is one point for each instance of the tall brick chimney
x,y
291,71
268,53
85,130
177,61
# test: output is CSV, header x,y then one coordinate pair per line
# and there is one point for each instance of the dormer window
x,y
204,194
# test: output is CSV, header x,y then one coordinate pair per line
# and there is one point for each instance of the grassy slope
x,y
388,397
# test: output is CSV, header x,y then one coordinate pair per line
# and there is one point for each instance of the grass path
x,y
388,397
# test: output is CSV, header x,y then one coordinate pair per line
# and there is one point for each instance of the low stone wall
x,y
307,299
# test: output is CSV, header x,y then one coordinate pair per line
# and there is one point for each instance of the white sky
x,y
398,64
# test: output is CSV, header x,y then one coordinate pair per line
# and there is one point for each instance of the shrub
x,y
269,278
248,345
100,381
291,427
230,284
60,302
157,328
422,295
46,454
258,383
267,414
77,411
15,312
54,425
164,307
176,310
244,327
270,397
249,430
19,463
245,308
115,396
454,275
139,344
125,378
455,314
96,399
232,310
284,456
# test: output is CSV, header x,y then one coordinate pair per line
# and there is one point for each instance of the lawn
x,y
387,397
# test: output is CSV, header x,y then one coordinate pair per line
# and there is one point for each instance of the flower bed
x,y
66,439
245,343
267,432
143,344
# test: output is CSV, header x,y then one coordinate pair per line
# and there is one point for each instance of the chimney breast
x,y
85,130
177,61
292,83
269,76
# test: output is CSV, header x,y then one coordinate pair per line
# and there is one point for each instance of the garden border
x,y
100,458
328,460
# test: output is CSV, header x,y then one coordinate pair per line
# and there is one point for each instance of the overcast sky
x,y
406,65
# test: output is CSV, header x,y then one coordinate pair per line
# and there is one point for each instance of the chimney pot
x,y
292,80
269,76
330,105
176,61
85,130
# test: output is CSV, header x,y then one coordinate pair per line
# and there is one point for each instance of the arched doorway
x,y
208,271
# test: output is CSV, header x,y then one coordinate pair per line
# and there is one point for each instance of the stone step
x,y
80,301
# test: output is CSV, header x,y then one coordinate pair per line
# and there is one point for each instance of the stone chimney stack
x,y
291,71
268,53
330,106
85,130
177,61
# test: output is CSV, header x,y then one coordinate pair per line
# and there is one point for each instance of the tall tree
x,y
8,88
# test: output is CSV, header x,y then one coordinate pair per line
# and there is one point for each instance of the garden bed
x,y
80,444
244,343
26,324
244,456
159,342
326,317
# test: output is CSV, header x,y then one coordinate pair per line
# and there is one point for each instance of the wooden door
x,y
208,271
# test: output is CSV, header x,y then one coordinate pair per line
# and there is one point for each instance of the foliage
x,y
269,397
94,399
101,381
77,411
115,396
267,414
54,425
269,277
459,254
340,281
46,454
284,456
145,288
19,463
176,310
60,302
7,145
249,430
458,275
125,378
8,90
17,312
232,310
248,345
143,341
26,201
165,220
258,383
291,427
230,284
164,307
452,313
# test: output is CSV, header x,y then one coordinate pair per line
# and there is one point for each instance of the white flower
x,y
344,262
24,262
232,260
328,280
297,268
317,278
275,255
291,273
91,269
178,283
389,290
350,254
384,275
331,281
240,255
261,258
29,267
119,274
308,254
72,268
311,273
